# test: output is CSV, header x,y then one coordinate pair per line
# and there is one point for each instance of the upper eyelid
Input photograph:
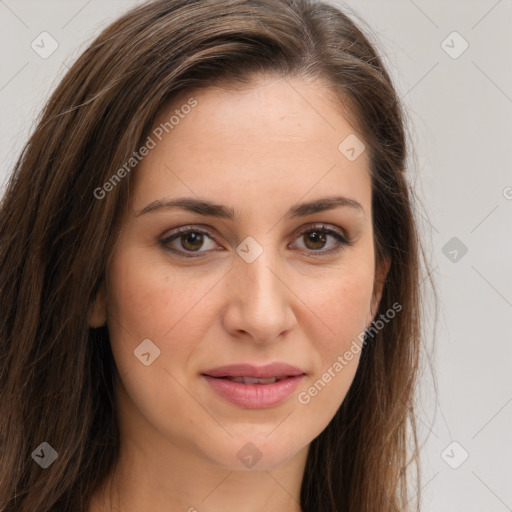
x,y
211,231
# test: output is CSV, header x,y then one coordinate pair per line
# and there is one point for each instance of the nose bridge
x,y
260,282
264,310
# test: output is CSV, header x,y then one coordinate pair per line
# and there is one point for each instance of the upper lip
x,y
258,372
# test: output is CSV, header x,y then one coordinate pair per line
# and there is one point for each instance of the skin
x,y
259,151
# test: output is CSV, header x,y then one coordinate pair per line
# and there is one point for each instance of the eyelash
x,y
341,240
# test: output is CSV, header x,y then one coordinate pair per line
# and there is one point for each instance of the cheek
x,y
147,296
149,300
341,303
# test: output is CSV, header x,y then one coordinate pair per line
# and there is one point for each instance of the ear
x,y
97,315
381,272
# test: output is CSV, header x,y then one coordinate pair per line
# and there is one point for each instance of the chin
x,y
259,452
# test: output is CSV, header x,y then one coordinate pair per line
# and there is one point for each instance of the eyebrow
x,y
210,209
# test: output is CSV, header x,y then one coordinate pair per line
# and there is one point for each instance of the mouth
x,y
249,371
253,380
252,387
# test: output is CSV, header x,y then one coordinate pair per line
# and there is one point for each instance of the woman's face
x,y
255,282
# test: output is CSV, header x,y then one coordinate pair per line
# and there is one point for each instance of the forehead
x,y
277,135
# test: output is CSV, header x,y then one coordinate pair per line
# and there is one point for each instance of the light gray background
x,y
460,121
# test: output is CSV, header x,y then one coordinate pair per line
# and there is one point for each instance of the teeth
x,y
269,380
253,380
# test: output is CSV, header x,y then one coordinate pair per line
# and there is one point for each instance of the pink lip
x,y
254,396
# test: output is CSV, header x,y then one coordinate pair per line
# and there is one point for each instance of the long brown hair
x,y
57,374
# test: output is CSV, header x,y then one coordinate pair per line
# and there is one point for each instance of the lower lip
x,y
254,396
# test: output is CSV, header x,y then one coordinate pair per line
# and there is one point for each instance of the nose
x,y
259,303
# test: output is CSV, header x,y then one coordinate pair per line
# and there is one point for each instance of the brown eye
x,y
192,241
186,241
315,240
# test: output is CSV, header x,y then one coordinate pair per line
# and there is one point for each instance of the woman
x,y
209,288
